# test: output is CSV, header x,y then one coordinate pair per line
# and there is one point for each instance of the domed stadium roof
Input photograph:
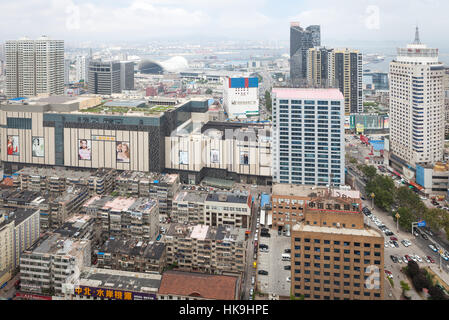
x,y
150,67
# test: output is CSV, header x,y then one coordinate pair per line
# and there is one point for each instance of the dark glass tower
x,y
301,40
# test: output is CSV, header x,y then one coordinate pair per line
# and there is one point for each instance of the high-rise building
x,y
104,77
446,100
348,77
127,75
82,68
320,67
308,136
301,40
34,67
334,255
67,64
416,106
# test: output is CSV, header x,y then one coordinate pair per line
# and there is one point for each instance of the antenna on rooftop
x,y
417,40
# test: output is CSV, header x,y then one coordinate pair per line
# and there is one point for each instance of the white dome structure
x,y
175,64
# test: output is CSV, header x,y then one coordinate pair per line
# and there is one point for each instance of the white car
x,y
427,259
289,279
391,244
404,259
418,258
400,260
413,258
386,245
251,291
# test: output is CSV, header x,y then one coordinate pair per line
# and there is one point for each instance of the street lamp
x,y
397,222
372,200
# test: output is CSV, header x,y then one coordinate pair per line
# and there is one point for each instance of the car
x,y
158,237
423,198
253,280
287,267
396,244
265,235
445,257
430,259
405,259
251,292
263,272
389,233
389,274
264,230
363,198
415,233
288,279
394,259
287,251
399,259
413,258
386,245
433,248
391,244
424,236
427,259
418,258
393,238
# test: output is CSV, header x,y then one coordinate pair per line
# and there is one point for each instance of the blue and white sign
x,y
421,224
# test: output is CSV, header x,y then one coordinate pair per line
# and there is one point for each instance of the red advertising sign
x,y
31,296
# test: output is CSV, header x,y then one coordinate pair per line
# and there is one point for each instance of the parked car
x,y
394,259
394,238
265,235
430,259
158,237
263,272
288,267
424,236
287,251
418,258
432,247
288,279
396,244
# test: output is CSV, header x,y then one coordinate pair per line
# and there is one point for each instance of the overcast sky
x,y
134,20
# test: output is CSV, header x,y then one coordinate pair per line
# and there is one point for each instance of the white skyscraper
x,y
66,71
308,136
34,67
416,106
82,68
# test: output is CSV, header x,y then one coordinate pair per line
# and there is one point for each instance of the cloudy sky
x,y
134,20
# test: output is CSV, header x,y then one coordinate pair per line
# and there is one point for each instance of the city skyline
x,y
144,20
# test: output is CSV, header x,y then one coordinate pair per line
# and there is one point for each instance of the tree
x,y
369,171
434,218
408,199
420,281
383,188
406,218
405,287
209,91
412,269
353,160
437,294
268,102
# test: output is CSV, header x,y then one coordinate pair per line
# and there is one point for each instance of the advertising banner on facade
x,y
123,152
85,149
215,156
13,145
112,294
183,157
38,146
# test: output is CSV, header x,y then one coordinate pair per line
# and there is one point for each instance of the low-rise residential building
x,y
53,261
203,248
188,207
66,204
228,209
158,186
105,284
132,255
137,218
176,285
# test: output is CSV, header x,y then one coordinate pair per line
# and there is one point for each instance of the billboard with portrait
x,y
183,157
123,151
244,157
215,156
13,145
84,149
37,146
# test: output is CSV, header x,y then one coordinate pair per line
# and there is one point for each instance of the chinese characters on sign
x,y
112,294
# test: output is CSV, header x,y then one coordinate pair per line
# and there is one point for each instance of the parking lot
x,y
276,280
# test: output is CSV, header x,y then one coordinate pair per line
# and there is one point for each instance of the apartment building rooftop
x,y
191,196
54,172
131,247
199,285
58,244
229,197
119,204
98,201
306,93
18,216
19,196
310,191
151,177
70,194
123,280
142,205
75,225
365,232
204,232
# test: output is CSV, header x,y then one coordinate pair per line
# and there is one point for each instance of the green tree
x,y
383,189
434,218
209,91
406,218
369,171
408,199
353,160
405,287
268,102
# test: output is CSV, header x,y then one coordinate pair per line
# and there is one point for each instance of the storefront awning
x,y
417,186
